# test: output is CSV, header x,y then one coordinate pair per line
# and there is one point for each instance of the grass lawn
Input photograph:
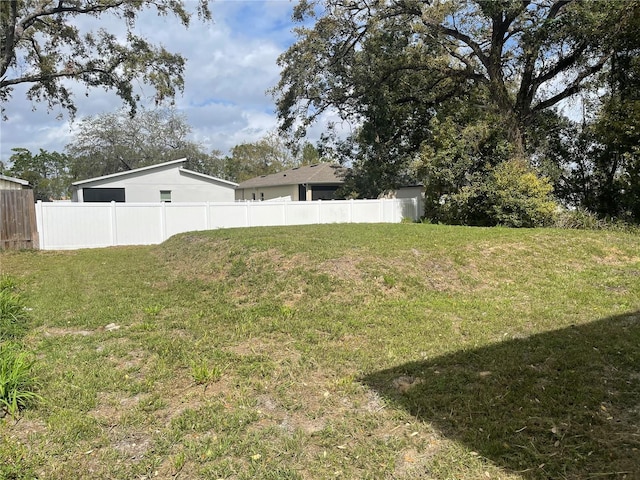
x,y
334,351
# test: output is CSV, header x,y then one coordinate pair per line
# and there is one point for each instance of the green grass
x,y
17,383
13,316
333,351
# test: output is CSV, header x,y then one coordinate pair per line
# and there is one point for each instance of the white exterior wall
x,y
65,226
290,191
145,187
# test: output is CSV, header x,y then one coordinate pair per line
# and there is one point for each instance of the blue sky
x,y
231,62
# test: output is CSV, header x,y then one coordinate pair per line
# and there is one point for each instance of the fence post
x,y
163,221
114,224
39,223
207,215
319,207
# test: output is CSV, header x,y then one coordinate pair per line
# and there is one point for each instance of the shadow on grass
x,y
562,404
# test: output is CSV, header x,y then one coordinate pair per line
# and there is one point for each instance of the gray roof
x,y
319,173
129,172
180,162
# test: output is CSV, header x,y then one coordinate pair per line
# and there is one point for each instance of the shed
x,y
164,182
11,183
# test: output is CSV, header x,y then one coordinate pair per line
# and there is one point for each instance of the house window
x,y
253,196
103,194
324,192
165,196
261,195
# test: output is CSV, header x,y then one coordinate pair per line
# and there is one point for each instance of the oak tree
x,y
42,44
116,142
401,70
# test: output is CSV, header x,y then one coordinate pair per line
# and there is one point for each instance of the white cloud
x,y
230,65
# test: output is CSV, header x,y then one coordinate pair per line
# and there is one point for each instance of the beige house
x,y
313,182
11,183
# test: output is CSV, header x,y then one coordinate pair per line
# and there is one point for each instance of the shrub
x,y
17,384
517,197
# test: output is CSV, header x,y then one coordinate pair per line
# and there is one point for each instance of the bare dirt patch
x,y
59,332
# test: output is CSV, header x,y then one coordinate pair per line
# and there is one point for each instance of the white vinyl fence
x,y
68,226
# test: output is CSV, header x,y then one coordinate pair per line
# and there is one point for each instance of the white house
x,y
165,182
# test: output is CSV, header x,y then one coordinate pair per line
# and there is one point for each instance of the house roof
x,y
319,173
208,177
129,172
14,180
157,166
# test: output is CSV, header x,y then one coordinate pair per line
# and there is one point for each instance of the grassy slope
x,y
373,351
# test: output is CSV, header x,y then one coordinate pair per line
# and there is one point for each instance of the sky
x,y
231,63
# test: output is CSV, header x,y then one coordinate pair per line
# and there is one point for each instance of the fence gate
x,y
18,228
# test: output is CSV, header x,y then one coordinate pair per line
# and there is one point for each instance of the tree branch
x,y
9,39
574,87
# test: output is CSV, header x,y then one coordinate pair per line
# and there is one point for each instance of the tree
x,y
599,160
42,45
268,155
392,67
47,172
115,142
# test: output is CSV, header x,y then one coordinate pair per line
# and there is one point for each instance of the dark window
x,y
253,196
302,193
103,194
261,195
324,192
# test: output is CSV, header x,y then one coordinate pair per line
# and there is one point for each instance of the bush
x,y
509,194
517,197
17,384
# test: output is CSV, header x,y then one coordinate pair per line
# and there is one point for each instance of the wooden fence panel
x,y
18,228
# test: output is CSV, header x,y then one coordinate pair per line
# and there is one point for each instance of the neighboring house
x,y
313,182
11,183
165,182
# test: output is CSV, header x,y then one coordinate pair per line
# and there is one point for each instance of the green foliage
x,y
115,142
469,85
47,172
581,219
17,383
43,45
517,197
510,194
268,155
13,315
7,282
202,374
